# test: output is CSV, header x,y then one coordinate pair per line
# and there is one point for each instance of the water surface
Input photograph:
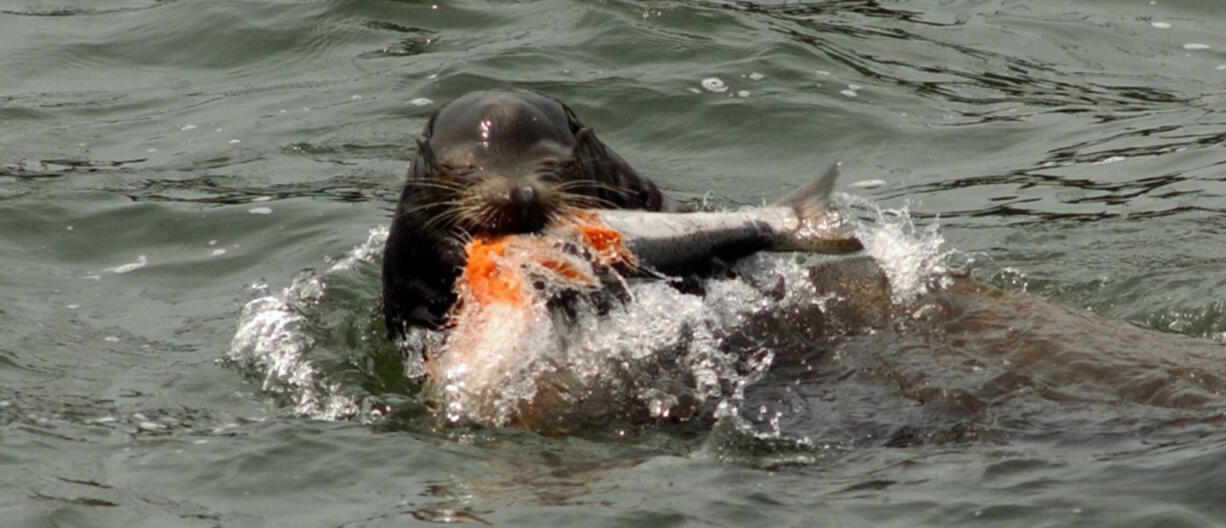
x,y
163,163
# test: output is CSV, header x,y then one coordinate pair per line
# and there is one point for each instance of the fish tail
x,y
821,230
813,198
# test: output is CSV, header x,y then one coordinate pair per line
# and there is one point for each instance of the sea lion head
x,y
498,162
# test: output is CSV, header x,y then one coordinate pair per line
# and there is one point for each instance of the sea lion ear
x,y
572,120
428,130
583,134
423,150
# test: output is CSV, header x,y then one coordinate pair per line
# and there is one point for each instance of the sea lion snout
x,y
523,199
512,204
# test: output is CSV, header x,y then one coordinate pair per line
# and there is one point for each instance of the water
x,y
164,163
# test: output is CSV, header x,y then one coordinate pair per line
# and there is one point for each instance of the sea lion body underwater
x,y
489,163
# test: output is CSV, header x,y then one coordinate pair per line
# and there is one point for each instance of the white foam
x,y
867,184
913,258
367,251
141,261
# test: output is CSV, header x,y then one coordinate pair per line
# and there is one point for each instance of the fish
x,y
687,242
584,246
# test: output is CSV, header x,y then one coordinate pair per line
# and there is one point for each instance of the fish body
x,y
596,247
680,243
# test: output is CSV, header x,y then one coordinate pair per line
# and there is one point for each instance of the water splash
x,y
660,354
272,344
914,259
651,352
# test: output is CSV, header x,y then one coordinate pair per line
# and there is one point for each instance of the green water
x,y
162,163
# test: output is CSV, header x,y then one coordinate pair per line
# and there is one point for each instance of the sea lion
x,y
493,162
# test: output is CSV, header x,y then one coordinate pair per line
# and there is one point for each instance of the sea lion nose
x,y
524,199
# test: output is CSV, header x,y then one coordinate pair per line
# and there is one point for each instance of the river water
x,y
171,171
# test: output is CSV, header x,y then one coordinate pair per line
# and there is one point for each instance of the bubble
x,y
714,84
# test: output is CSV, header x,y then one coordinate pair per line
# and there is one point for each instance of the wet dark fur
x,y
488,163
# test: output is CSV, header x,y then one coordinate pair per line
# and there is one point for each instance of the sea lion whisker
x,y
596,184
463,236
579,191
584,200
441,203
448,216
583,183
435,184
